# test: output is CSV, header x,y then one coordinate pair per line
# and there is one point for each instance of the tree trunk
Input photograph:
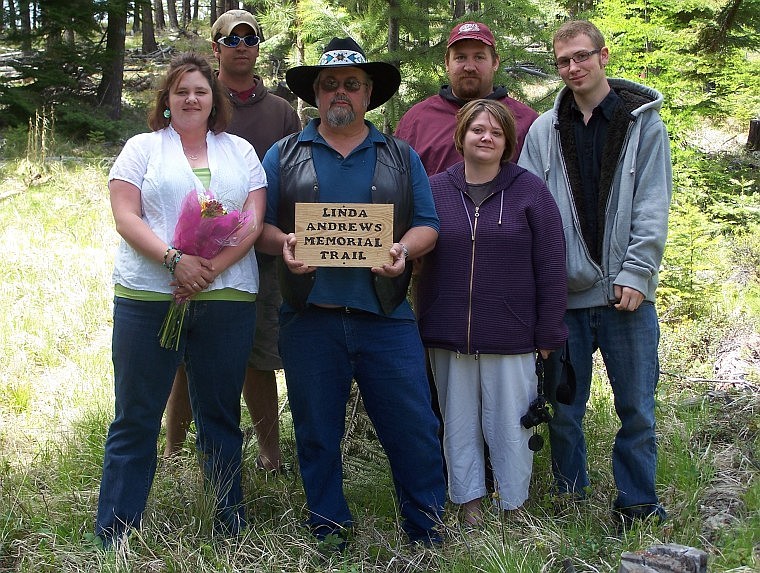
x,y
393,48
213,12
753,139
26,28
458,6
112,80
300,52
136,20
727,20
159,22
149,44
424,40
171,9
52,27
12,15
195,9
185,13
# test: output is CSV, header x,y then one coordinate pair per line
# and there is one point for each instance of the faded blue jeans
x,y
628,342
215,343
322,351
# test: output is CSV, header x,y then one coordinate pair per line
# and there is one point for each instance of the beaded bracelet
x,y
175,260
166,255
172,264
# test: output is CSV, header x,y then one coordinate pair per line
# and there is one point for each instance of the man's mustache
x,y
341,98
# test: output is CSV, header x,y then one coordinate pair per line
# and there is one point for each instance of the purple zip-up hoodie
x,y
495,283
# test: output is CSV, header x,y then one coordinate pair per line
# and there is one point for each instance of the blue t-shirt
x,y
348,180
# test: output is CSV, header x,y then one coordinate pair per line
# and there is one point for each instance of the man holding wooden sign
x,y
346,206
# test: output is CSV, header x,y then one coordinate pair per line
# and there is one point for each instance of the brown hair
x,y
499,111
573,28
221,112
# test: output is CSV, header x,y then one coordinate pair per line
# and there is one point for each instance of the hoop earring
x,y
167,113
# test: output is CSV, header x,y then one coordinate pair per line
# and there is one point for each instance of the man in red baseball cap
x,y
471,64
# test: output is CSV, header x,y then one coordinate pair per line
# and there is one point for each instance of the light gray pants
x,y
484,398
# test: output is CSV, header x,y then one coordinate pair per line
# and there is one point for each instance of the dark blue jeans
x,y
628,342
322,351
215,343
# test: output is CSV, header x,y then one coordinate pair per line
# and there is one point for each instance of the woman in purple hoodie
x,y
491,294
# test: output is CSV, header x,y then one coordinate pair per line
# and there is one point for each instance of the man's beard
x,y
340,116
468,90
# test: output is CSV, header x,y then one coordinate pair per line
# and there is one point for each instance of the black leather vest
x,y
391,183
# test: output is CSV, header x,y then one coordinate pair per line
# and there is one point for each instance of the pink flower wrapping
x,y
203,228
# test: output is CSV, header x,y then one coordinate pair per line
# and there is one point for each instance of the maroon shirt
x,y
263,118
429,127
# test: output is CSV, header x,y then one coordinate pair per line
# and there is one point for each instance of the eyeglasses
x,y
577,57
350,85
233,41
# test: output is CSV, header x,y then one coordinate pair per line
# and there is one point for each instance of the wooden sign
x,y
344,234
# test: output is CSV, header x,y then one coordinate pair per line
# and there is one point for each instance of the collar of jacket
x,y
499,92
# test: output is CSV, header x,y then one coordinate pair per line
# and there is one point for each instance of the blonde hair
x,y
573,28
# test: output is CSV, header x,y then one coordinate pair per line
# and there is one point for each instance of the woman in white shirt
x,y
186,150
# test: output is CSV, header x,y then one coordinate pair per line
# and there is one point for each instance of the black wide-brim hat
x,y
345,52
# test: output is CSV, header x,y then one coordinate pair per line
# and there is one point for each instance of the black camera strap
x,y
540,374
536,442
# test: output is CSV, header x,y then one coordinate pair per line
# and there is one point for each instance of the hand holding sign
x,y
289,257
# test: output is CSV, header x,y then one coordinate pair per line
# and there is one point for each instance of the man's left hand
x,y
628,298
395,268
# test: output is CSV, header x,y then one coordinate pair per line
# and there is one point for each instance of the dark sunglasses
x,y
350,85
233,41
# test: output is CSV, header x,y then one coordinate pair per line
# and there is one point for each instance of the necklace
x,y
193,156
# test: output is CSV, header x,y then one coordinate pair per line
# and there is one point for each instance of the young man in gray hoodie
x,y
604,153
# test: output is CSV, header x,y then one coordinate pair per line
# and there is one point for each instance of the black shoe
x,y
627,517
332,538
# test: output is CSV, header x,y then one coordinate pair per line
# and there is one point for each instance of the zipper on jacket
x,y
472,277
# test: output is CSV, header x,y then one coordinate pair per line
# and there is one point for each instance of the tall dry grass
x,y
57,242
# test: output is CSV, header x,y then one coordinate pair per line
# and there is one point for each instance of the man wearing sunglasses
x,y
262,118
604,153
340,324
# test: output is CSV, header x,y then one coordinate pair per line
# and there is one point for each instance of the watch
x,y
404,250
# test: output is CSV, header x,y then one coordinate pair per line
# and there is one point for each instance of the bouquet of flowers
x,y
203,228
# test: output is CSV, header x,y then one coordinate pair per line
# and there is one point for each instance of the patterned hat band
x,y
341,58
345,53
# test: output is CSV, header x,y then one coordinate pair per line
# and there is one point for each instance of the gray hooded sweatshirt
x,y
635,190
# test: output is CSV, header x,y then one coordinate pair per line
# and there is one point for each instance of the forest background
x,y
77,78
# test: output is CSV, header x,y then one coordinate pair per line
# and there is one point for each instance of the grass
x,y
57,239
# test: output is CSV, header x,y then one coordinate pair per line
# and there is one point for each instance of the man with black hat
x,y
339,324
262,118
471,64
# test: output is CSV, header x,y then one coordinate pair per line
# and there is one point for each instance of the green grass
x,y
58,241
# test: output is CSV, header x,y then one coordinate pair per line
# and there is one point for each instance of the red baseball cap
x,y
471,31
